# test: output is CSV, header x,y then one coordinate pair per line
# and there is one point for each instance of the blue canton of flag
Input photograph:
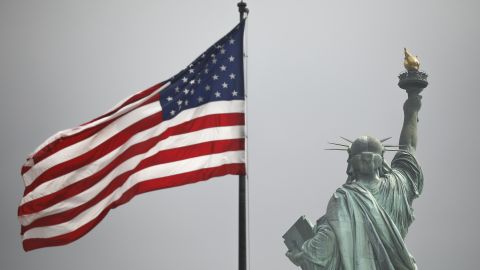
x,y
215,75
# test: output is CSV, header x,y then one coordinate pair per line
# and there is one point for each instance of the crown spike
x,y
395,150
386,139
339,144
350,141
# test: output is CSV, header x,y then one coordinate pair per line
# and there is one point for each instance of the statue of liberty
x,y
367,218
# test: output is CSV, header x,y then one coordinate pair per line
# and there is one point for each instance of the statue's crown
x,y
365,144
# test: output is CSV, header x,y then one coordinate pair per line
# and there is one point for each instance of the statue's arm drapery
x,y
408,173
320,251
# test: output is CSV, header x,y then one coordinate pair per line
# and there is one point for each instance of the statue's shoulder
x,y
341,194
338,205
350,187
347,191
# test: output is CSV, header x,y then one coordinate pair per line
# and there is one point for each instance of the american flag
x,y
183,130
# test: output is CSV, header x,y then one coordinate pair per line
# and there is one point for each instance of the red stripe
x,y
67,141
131,100
25,169
99,151
161,157
217,120
146,186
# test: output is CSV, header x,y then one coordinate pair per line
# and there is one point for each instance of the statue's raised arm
x,y
413,81
408,135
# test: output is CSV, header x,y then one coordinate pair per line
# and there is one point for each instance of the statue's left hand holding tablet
x,y
296,256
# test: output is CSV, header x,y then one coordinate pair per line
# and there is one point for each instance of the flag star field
x,y
216,75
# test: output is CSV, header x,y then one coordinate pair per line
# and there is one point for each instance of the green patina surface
x,y
365,227
368,218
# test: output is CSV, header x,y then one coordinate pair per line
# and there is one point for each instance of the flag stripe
x,y
145,186
162,157
152,172
71,136
71,202
95,153
207,109
77,145
129,100
165,141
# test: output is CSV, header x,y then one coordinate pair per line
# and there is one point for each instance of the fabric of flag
x,y
184,130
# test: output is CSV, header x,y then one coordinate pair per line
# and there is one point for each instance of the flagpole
x,y
242,191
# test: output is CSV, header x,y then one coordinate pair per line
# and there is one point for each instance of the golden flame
x,y
410,62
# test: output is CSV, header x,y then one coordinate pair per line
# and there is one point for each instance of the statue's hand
x,y
295,256
412,104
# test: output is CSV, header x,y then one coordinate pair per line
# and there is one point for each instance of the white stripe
x,y
205,135
153,172
124,110
138,101
60,182
75,130
91,142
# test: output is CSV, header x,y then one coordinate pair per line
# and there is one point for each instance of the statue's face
x,y
366,163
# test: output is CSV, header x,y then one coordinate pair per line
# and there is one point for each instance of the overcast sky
x,y
316,70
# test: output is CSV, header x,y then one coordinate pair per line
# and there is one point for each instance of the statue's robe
x,y
365,229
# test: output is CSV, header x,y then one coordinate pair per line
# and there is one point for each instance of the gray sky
x,y
316,70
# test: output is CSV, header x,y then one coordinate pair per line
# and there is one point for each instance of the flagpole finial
x,y
242,9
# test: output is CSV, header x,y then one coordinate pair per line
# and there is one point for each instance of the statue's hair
x,y
382,170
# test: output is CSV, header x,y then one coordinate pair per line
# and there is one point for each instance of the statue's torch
x,y
412,80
